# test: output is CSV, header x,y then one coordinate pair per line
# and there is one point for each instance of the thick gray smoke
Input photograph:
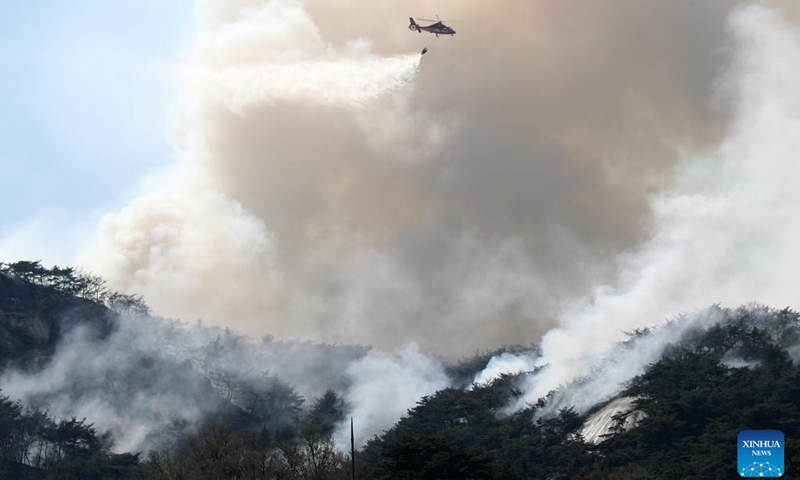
x,y
332,185
726,232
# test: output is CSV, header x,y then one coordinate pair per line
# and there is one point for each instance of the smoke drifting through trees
x,y
447,213
146,382
727,232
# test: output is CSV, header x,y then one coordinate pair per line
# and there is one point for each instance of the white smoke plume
x,y
189,237
506,363
726,232
384,387
733,361
794,353
455,202
191,249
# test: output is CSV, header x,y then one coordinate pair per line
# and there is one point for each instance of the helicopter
x,y
439,28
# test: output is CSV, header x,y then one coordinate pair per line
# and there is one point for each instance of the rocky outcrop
x,y
600,423
34,318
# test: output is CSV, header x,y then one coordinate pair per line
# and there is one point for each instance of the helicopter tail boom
x,y
414,25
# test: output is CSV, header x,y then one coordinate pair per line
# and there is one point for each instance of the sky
x,y
297,168
84,103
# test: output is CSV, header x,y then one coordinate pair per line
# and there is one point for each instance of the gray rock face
x,y
34,318
601,422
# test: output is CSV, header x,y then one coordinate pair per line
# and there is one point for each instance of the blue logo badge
x,y
761,453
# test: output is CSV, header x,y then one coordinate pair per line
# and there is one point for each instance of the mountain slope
x,y
33,319
688,408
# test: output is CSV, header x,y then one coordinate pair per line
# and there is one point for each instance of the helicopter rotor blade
x,y
448,21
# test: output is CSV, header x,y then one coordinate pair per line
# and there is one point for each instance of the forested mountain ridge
x,y
738,374
223,418
33,319
71,345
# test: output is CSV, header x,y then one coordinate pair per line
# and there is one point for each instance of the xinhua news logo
x,y
761,453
